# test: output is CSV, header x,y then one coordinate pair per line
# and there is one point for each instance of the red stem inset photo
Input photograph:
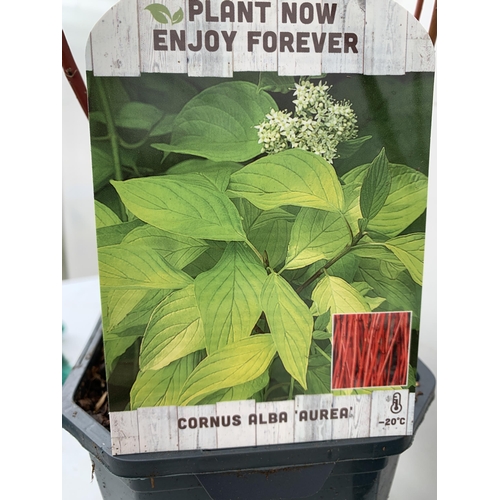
x,y
370,349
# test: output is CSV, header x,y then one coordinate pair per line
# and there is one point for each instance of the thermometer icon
x,y
396,406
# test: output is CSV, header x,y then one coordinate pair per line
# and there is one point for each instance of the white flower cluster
x,y
319,124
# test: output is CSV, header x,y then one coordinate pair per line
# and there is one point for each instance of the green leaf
x,y
291,325
319,375
207,260
376,187
217,173
104,216
180,207
410,251
118,303
317,234
291,177
400,294
174,330
347,148
270,233
137,267
102,166
228,296
219,123
164,126
178,16
176,249
138,115
239,392
114,235
335,295
124,309
162,387
406,201
234,364
116,345
273,83
159,12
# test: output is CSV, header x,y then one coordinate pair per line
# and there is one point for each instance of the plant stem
x,y
290,392
256,252
320,351
330,263
113,136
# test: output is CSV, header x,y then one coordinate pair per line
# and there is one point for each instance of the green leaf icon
x,y
160,13
178,17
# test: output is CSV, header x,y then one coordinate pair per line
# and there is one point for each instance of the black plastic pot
x,y
348,469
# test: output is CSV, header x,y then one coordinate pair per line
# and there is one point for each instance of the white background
x,y
416,477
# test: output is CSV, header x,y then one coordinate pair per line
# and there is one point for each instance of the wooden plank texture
x,y
203,35
419,48
358,423
295,56
124,432
312,418
346,35
256,33
232,431
115,42
385,38
275,422
158,428
197,429
160,42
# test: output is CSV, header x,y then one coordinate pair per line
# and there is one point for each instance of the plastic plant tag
x,y
260,177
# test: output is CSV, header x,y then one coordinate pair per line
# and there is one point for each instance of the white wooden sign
x,y
260,178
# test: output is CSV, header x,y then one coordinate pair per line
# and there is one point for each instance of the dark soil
x,y
92,395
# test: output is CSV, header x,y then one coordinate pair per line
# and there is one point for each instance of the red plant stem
x,y
73,76
418,9
433,25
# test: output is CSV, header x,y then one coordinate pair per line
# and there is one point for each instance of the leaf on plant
x,y
207,260
162,387
270,233
239,392
138,115
116,345
174,330
291,177
291,325
164,126
409,249
180,207
104,216
176,249
217,173
234,364
159,12
400,294
318,375
114,235
126,310
137,267
406,201
219,123
317,234
272,82
347,148
376,187
337,296
228,296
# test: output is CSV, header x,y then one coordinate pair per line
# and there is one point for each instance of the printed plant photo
x,y
370,350
236,216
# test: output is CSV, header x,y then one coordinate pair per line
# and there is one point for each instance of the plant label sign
x,y
260,177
